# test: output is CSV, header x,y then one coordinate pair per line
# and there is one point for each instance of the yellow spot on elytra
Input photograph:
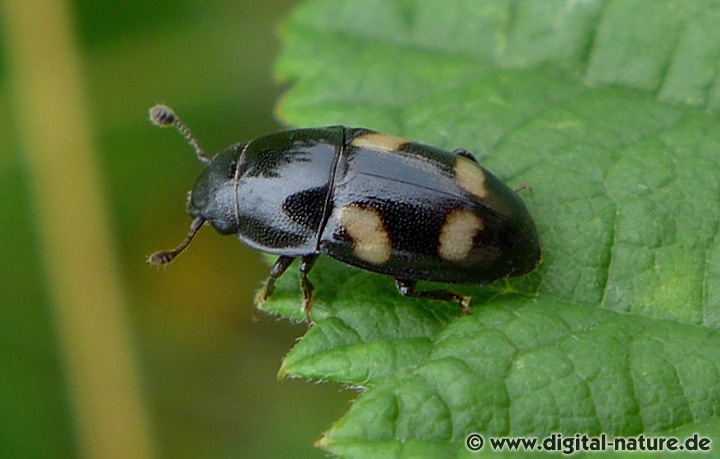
x,y
370,238
457,234
378,141
470,177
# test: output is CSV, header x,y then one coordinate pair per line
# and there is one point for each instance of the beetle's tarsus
x,y
166,256
265,293
307,289
305,285
465,304
307,305
281,265
407,288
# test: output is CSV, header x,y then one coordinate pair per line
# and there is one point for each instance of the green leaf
x,y
609,111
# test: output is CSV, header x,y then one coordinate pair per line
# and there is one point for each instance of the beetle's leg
x,y
407,288
306,286
280,266
465,154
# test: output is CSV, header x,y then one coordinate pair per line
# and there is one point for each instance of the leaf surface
x,y
608,110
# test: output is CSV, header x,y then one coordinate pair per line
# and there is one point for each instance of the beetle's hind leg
x,y
308,261
465,154
407,288
281,265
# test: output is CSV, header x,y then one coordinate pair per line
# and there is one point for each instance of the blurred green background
x,y
206,370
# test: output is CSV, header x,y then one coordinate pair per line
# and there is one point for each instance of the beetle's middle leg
x,y
281,265
307,262
407,288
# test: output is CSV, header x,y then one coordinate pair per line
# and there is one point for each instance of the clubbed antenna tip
x,y
163,116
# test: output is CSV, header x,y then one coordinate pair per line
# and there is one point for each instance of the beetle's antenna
x,y
163,116
163,258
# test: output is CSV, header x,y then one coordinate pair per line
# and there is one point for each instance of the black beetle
x,y
371,200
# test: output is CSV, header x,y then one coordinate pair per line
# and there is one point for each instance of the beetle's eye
x,y
233,168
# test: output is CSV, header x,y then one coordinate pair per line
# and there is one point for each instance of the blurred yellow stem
x,y
72,225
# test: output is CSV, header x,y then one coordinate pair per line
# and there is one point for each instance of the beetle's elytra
x,y
375,201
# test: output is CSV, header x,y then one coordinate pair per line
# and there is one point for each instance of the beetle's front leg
x,y
281,265
407,288
306,286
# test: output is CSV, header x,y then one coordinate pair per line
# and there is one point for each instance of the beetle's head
x,y
213,196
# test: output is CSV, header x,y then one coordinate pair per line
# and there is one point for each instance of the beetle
x,y
371,200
